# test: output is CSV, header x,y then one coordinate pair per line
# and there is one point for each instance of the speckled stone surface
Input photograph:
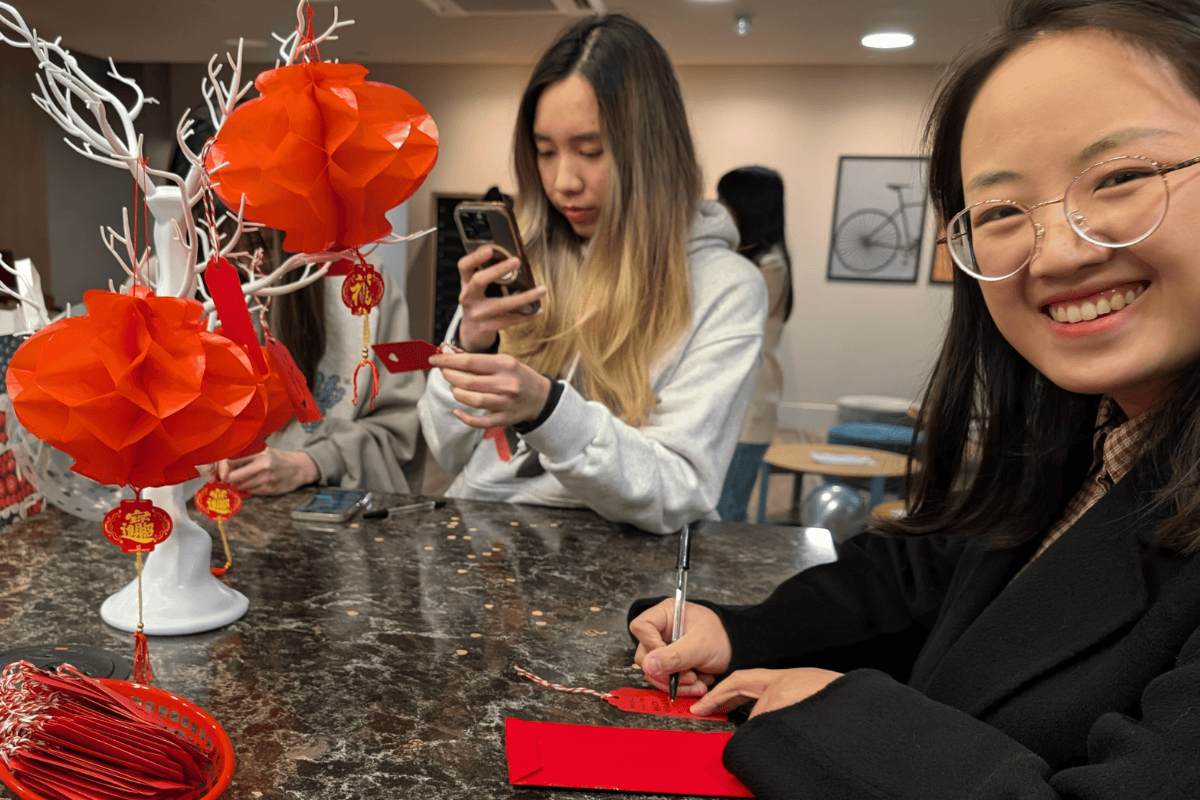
x,y
376,660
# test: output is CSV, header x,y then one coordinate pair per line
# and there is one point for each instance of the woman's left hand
x,y
771,688
270,471
499,384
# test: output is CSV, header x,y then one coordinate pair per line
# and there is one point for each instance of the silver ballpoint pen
x,y
681,579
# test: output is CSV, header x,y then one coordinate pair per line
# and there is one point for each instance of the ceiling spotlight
x,y
741,24
888,41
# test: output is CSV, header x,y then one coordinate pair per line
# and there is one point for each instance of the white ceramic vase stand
x,y
180,595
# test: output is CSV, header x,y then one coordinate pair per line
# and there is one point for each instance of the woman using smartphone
x,y
1032,628
626,392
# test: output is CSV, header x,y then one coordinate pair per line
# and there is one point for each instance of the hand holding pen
x,y
681,579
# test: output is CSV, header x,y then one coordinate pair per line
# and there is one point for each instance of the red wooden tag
x,y
652,701
404,356
137,526
362,289
218,500
502,449
221,277
297,388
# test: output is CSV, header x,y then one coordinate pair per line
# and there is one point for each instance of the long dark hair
x,y
755,196
1004,447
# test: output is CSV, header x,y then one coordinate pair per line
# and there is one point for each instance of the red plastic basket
x,y
184,718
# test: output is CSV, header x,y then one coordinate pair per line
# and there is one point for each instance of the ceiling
x,y
409,31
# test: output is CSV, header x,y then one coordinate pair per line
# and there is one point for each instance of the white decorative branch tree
x,y
101,126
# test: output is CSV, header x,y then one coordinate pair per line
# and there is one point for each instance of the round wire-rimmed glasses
x,y
1115,203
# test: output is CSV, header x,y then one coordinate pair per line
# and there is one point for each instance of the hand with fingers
x,y
269,472
770,689
484,317
506,389
699,656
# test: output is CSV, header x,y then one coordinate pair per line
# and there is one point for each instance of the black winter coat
x,y
1078,679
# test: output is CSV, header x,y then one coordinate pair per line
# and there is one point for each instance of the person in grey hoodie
x,y
626,392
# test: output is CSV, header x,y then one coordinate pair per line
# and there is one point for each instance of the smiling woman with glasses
x,y
1115,203
1031,627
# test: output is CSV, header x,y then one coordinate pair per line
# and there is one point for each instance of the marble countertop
x,y
376,658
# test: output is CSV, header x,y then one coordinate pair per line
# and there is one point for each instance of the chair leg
x,y
764,483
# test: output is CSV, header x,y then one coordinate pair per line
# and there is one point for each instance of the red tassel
x,y
141,660
374,382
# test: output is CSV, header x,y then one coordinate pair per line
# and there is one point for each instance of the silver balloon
x,y
838,508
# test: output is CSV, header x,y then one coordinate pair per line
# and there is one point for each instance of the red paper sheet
x,y
619,759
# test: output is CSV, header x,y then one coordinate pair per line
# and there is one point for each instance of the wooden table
x,y
376,659
802,458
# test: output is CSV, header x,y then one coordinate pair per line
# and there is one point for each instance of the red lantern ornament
x,y
219,501
323,154
137,526
136,390
362,290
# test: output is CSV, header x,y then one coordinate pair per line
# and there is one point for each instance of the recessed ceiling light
x,y
741,24
887,41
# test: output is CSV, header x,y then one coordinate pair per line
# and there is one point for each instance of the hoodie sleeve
x,y
670,471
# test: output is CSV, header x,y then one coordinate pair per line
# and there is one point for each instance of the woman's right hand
x,y
701,653
484,317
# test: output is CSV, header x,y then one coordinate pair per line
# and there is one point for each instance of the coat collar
x,y
995,635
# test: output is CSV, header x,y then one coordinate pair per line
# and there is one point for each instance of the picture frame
x,y
878,219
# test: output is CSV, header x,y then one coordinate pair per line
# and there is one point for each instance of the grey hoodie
x,y
657,477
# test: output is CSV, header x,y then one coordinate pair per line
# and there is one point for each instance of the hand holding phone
x,y
491,224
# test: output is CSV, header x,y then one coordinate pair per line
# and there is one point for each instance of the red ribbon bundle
x,y
69,737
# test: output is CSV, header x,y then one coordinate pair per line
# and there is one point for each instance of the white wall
x,y
844,337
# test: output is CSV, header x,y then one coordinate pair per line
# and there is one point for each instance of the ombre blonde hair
x,y
621,300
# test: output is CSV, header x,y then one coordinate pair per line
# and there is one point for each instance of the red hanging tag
x,y
221,277
341,267
137,526
652,701
293,381
502,448
405,356
362,288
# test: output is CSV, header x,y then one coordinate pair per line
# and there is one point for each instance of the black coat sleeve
x,y
866,735
871,607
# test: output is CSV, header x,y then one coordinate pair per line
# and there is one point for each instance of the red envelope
x,y
652,701
404,356
618,759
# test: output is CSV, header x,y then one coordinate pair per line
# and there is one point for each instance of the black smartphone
x,y
331,504
482,223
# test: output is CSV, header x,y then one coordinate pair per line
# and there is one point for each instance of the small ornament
x,y
362,290
138,526
219,501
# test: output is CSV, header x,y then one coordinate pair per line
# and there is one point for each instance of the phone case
x,y
483,223
331,504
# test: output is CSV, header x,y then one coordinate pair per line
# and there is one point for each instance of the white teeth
x,y
1090,310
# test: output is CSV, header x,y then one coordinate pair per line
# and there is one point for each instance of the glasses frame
x,y
1039,229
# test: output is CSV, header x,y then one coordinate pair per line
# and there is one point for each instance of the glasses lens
x,y
991,240
1117,202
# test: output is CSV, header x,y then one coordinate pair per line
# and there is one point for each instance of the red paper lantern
x,y
323,154
136,390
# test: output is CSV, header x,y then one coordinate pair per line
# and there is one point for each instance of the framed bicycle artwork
x,y
878,219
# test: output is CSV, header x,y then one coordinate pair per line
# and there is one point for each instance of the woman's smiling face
x,y
1092,319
